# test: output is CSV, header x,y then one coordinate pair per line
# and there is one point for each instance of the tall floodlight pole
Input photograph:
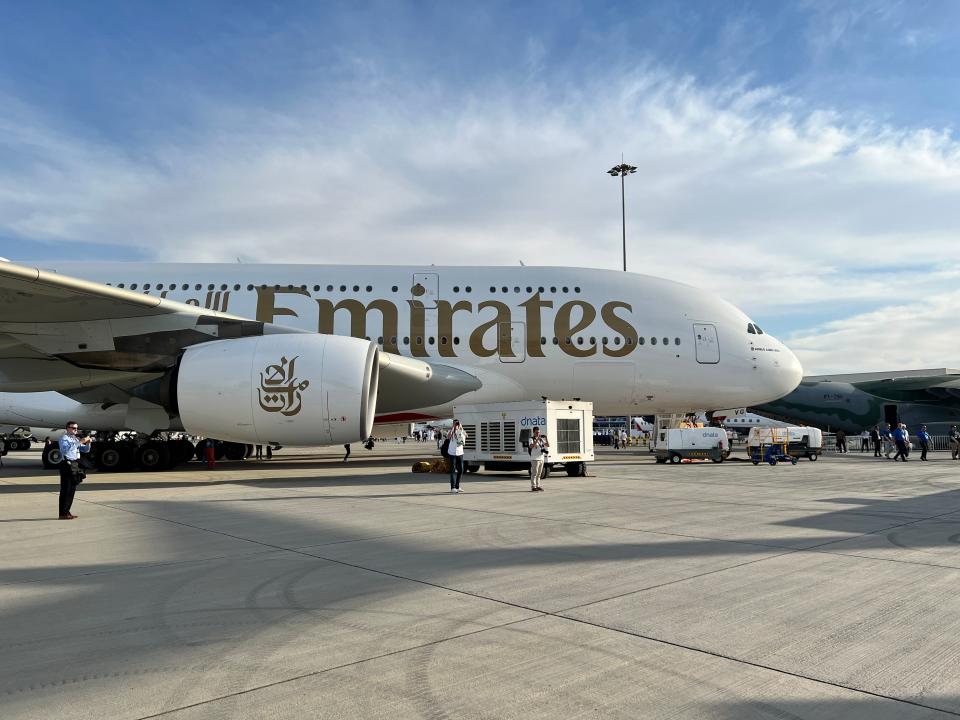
x,y
623,170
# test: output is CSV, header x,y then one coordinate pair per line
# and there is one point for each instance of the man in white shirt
x,y
70,473
538,448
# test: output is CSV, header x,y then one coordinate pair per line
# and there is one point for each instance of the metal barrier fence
x,y
937,442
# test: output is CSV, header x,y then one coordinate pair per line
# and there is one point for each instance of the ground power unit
x,y
498,434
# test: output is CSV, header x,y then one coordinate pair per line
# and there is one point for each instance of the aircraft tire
x,y
51,456
153,456
110,458
234,451
181,451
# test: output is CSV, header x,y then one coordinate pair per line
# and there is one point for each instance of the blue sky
x,y
800,157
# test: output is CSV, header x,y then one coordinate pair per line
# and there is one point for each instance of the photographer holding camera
x,y
71,474
539,449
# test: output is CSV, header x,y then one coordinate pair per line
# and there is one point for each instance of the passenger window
x,y
653,341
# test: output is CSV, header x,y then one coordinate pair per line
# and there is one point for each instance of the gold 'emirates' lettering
x,y
445,313
534,333
476,337
619,325
564,324
565,331
358,319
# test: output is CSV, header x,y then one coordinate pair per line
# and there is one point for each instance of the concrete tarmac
x,y
304,587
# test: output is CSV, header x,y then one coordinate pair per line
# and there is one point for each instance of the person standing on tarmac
x,y
538,449
841,441
875,438
954,442
457,437
924,437
70,473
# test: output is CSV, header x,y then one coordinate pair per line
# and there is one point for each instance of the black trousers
x,y
456,470
876,448
924,447
67,487
902,451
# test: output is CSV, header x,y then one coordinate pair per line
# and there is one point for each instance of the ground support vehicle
x,y
773,447
800,441
18,439
498,433
705,443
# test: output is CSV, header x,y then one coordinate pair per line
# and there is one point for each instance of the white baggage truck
x,y
677,444
497,434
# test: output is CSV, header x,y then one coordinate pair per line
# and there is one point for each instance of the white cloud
x,y
896,336
742,189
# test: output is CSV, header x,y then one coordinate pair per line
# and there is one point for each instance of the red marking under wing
x,y
402,417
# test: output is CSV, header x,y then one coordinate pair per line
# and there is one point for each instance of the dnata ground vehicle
x,y
498,433
800,441
704,443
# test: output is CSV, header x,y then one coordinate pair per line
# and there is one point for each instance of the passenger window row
x,y
329,288
580,340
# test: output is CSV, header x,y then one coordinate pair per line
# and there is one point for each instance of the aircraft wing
x,y
66,334
929,388
94,342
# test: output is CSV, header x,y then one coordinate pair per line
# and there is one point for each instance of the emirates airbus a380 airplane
x,y
316,354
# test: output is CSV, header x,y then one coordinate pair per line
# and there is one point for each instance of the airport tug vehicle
x,y
498,434
795,441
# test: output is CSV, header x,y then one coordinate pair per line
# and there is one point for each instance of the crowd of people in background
x,y
892,441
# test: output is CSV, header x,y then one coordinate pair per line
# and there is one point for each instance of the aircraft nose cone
x,y
789,373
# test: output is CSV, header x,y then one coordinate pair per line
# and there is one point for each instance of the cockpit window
x,y
750,329
759,331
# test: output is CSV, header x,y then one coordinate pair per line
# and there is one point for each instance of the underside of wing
x,y
66,334
171,365
933,388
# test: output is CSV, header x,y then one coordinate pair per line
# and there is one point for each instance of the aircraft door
x,y
512,342
708,347
891,415
426,289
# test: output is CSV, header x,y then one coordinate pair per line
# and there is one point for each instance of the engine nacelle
x,y
290,389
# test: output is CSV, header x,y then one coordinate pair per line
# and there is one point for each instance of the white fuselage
x,y
631,344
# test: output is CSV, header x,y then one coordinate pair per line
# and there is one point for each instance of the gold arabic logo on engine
x,y
279,390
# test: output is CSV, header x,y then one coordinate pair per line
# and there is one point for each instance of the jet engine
x,y
292,389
